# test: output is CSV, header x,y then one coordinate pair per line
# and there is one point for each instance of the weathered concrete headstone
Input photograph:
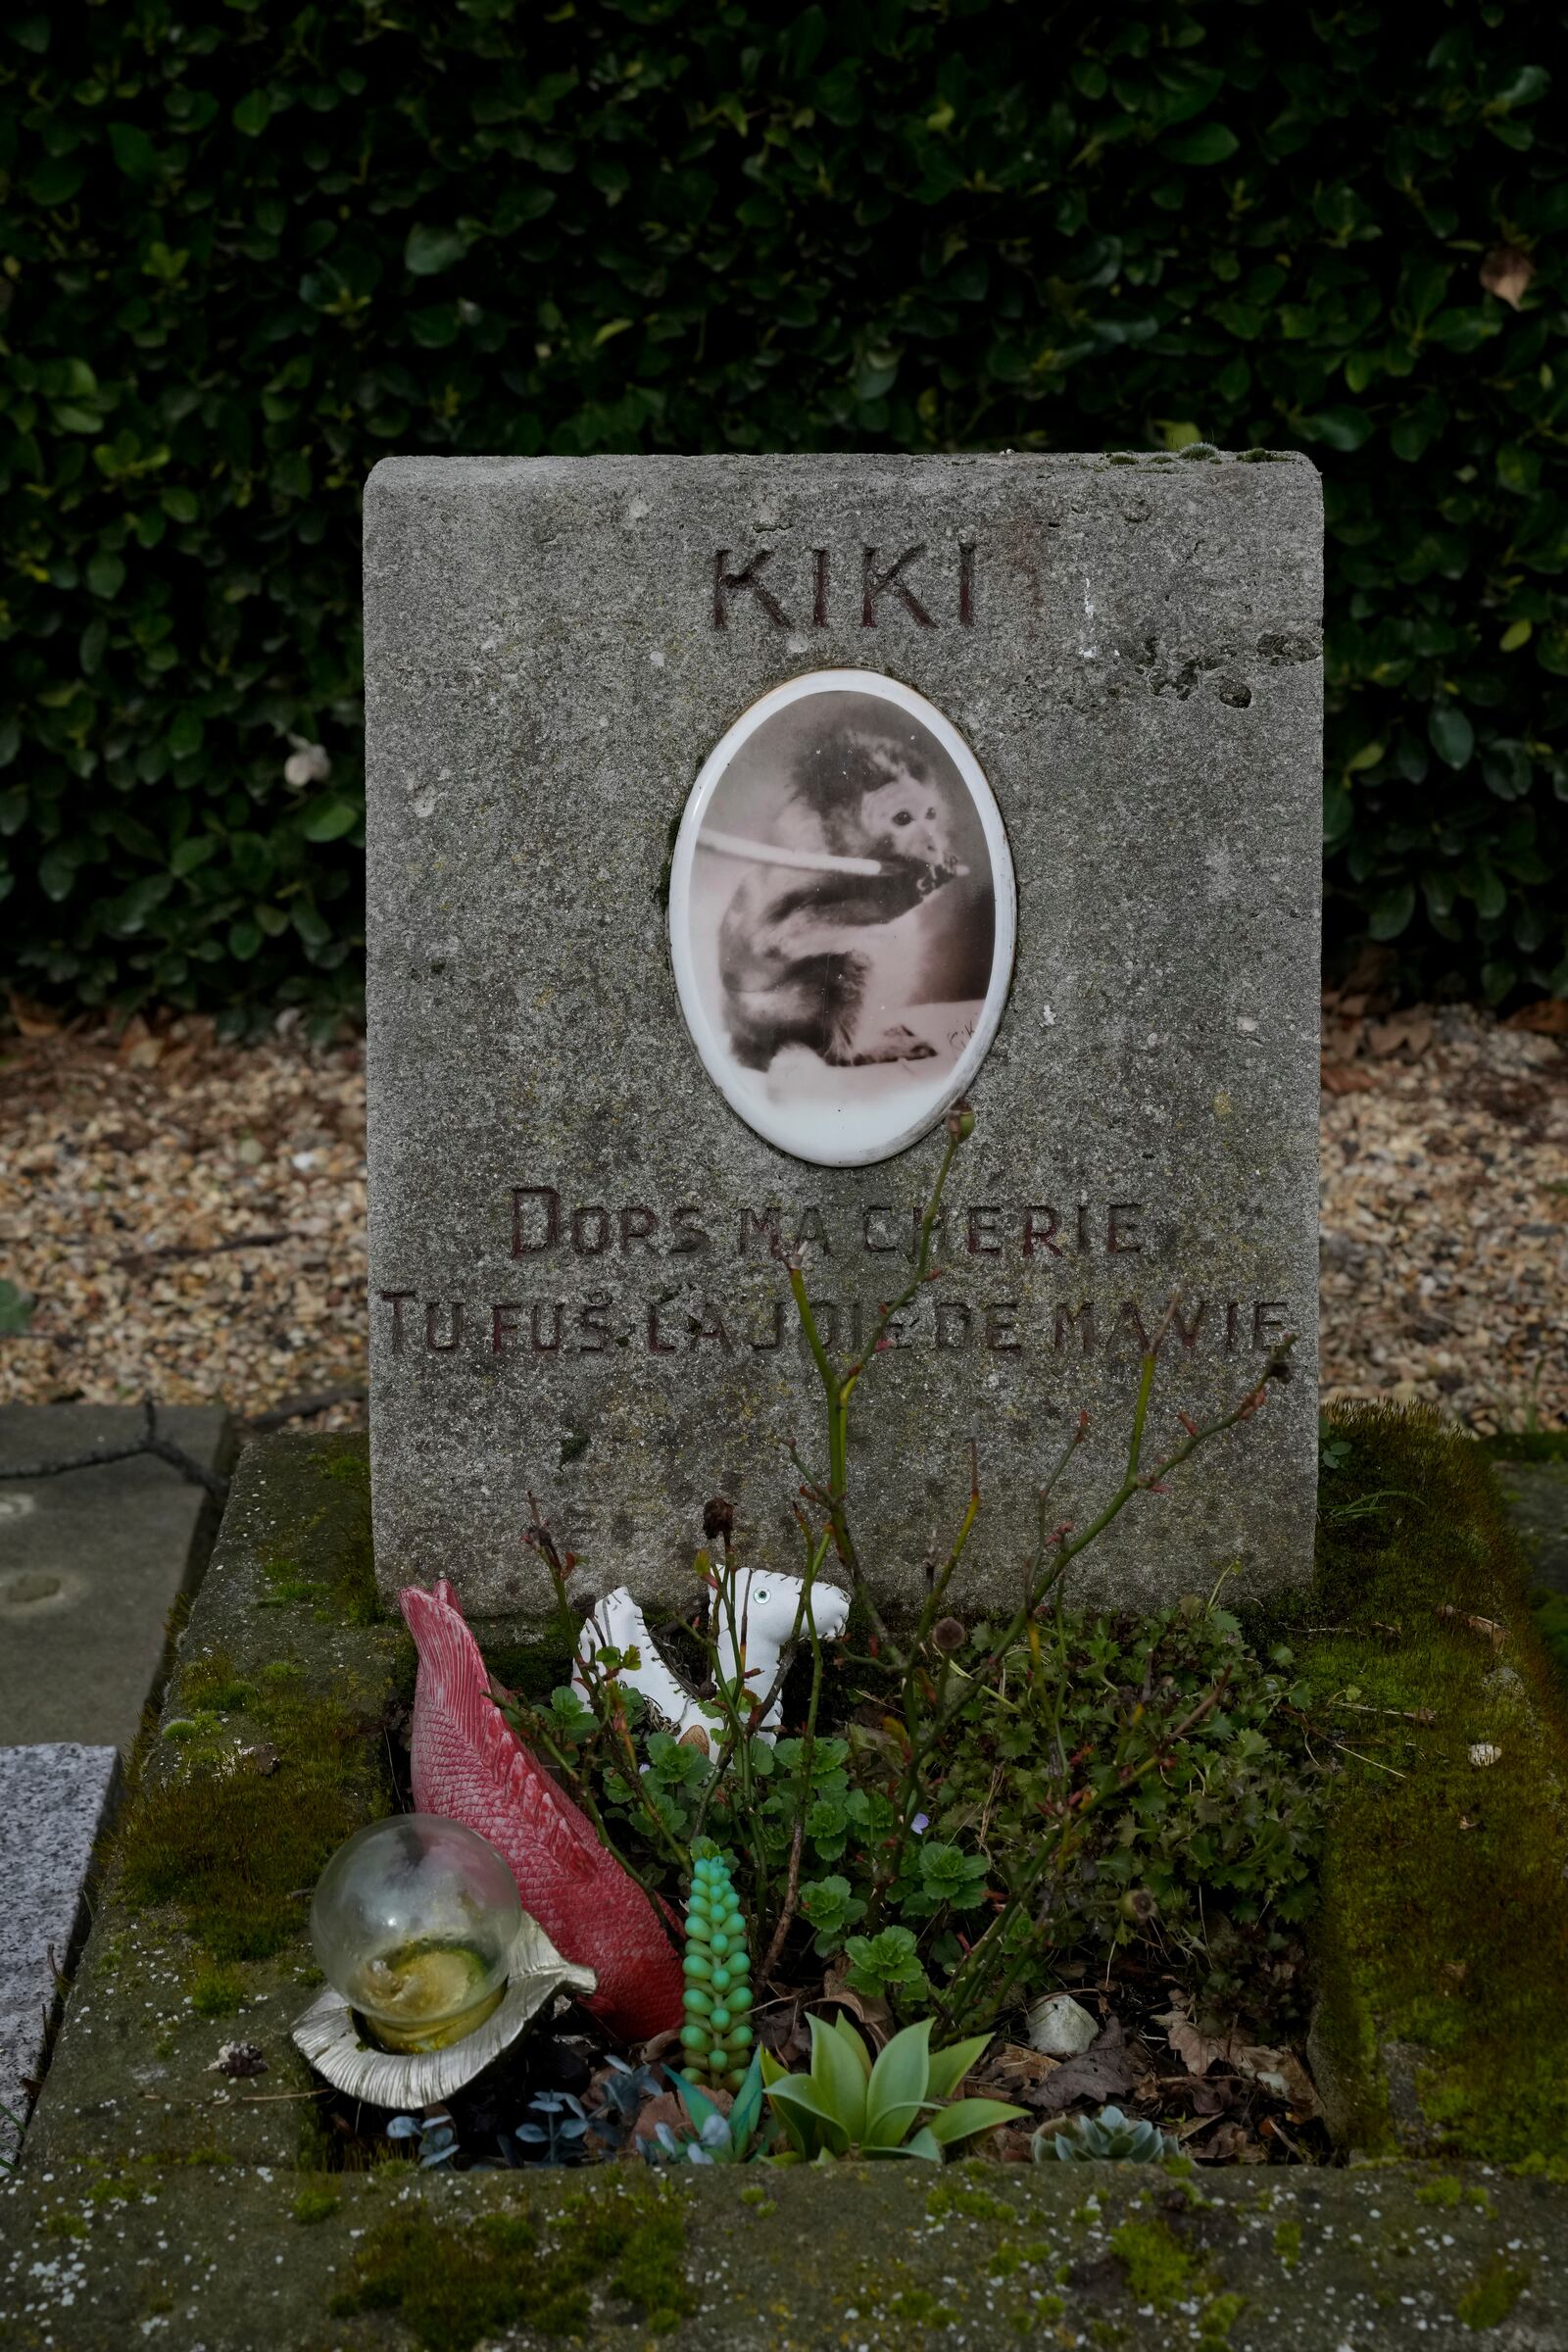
x,y
52,1801
703,793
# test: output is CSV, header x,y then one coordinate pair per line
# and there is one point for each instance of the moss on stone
x,y
1160,2269
1444,1915
327,1557
234,1844
316,2202
451,2283
216,1990
1496,2288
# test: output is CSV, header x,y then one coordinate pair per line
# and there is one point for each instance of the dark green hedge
x,y
250,249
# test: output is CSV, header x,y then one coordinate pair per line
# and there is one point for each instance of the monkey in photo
x,y
798,947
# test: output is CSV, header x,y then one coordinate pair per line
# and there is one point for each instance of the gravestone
x,y
53,1798
728,818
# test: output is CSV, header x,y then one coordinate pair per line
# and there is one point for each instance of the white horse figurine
x,y
752,1619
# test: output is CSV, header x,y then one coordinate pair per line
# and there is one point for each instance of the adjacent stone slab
x,y
878,2257
91,1562
1536,1493
52,1804
576,1241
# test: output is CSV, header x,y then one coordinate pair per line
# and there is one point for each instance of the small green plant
x,y
714,2138
886,1967
1109,2137
718,1999
900,2106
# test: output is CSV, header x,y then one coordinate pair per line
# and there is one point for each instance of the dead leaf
x,y
1197,2050
872,2015
32,1021
1229,2145
1506,272
1338,1079
1486,1627
1410,1030
1278,2071
1101,2074
1011,2070
666,2109
1548,1017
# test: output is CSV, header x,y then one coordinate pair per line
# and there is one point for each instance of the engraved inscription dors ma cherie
x,y
930,589
1021,1277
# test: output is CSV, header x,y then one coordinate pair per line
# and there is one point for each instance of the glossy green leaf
x,y
898,2086
949,2067
838,2079
329,819
965,2119
1451,734
814,2115
1390,913
429,251
1210,143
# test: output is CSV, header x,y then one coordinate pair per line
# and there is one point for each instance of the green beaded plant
x,y
717,2034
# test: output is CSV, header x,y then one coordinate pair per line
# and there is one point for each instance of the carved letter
x,y
591,1324
876,1248
689,1234
656,1345
443,1346
542,1346
1267,1318
637,1225
548,1193
1039,1236
1187,1332
711,1327
874,583
1128,1316
820,587
1120,1241
983,1241
394,1299
967,587
579,1231
811,1230
1000,1335
1083,1322
728,584
501,1315
760,1226
765,1346
948,1335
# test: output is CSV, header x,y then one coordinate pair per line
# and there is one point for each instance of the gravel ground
x,y
187,1218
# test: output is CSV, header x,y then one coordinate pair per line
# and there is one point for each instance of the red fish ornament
x,y
469,1766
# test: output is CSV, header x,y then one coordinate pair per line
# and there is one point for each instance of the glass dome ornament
x,y
413,1922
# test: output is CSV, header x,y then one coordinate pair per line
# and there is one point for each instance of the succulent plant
x,y
714,2137
717,2036
1107,2137
847,2107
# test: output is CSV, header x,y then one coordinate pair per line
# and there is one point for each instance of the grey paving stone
x,y
52,1803
91,1562
1536,1493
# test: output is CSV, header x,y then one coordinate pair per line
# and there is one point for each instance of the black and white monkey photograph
x,y
841,906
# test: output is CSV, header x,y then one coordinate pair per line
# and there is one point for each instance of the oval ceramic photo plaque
x,y
841,915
